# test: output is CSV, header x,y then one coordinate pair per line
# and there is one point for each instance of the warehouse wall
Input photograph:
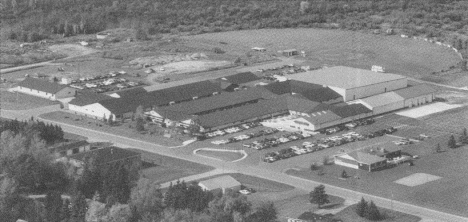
x,y
370,90
419,100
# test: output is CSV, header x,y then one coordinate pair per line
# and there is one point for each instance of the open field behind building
x,y
338,47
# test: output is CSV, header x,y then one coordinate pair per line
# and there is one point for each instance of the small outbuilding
x,y
290,52
44,89
222,184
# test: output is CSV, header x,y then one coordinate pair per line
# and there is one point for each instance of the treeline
x,y
47,132
68,17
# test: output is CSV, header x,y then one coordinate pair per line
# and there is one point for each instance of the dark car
x,y
390,130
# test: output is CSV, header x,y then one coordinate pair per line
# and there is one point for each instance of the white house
x,y
222,183
44,89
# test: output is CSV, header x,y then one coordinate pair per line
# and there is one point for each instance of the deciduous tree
x,y
318,196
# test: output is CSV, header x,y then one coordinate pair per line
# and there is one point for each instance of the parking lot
x,y
104,83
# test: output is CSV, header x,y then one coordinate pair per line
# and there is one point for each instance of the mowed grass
x,y
259,184
349,215
447,194
164,169
121,129
338,47
20,101
221,155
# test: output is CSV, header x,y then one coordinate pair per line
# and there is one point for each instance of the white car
x,y
283,140
245,192
280,129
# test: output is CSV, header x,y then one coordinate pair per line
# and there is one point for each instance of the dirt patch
x,y
183,67
72,50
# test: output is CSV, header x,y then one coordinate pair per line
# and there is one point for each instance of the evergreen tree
x,y
318,196
452,143
140,124
344,174
373,212
361,208
53,206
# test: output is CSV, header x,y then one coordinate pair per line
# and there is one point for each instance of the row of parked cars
x,y
347,126
231,130
245,136
277,140
324,143
103,83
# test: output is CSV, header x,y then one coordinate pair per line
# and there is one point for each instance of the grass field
x,y
221,155
339,47
164,168
259,184
20,101
121,130
349,215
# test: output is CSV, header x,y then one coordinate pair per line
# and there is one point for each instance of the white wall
x,y
94,110
370,90
419,100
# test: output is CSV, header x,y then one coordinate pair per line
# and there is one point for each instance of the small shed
x,y
290,52
222,184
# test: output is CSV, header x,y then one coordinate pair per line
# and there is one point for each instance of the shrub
x,y
218,50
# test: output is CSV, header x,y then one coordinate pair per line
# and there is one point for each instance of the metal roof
x,y
41,85
220,182
344,77
382,99
365,157
415,91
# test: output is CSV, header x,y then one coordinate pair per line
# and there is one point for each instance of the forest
x,y
114,192
32,20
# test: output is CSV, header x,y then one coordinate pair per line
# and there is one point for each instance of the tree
x,y
304,7
452,143
141,34
139,112
65,212
140,124
78,208
344,174
463,139
318,196
146,197
266,212
373,212
314,166
361,208
53,206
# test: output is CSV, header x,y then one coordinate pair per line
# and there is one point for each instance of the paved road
x,y
306,185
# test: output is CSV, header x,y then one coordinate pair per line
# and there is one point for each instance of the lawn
x,y
339,47
221,155
259,184
119,129
349,215
20,101
163,168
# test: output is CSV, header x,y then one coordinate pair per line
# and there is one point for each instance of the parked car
x,y
390,130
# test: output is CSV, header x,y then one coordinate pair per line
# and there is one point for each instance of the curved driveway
x,y
307,185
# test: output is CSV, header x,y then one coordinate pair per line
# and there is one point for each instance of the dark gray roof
x,y
132,92
240,78
349,110
41,85
261,108
183,92
223,100
313,92
85,97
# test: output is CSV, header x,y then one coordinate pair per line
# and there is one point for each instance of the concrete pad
x,y
428,109
417,179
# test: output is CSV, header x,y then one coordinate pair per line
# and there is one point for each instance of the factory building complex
x,y
307,101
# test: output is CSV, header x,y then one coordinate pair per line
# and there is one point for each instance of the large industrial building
x,y
308,101
352,83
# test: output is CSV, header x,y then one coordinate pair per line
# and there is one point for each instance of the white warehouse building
x,y
353,83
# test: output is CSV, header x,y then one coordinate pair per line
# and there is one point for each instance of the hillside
x,y
30,20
